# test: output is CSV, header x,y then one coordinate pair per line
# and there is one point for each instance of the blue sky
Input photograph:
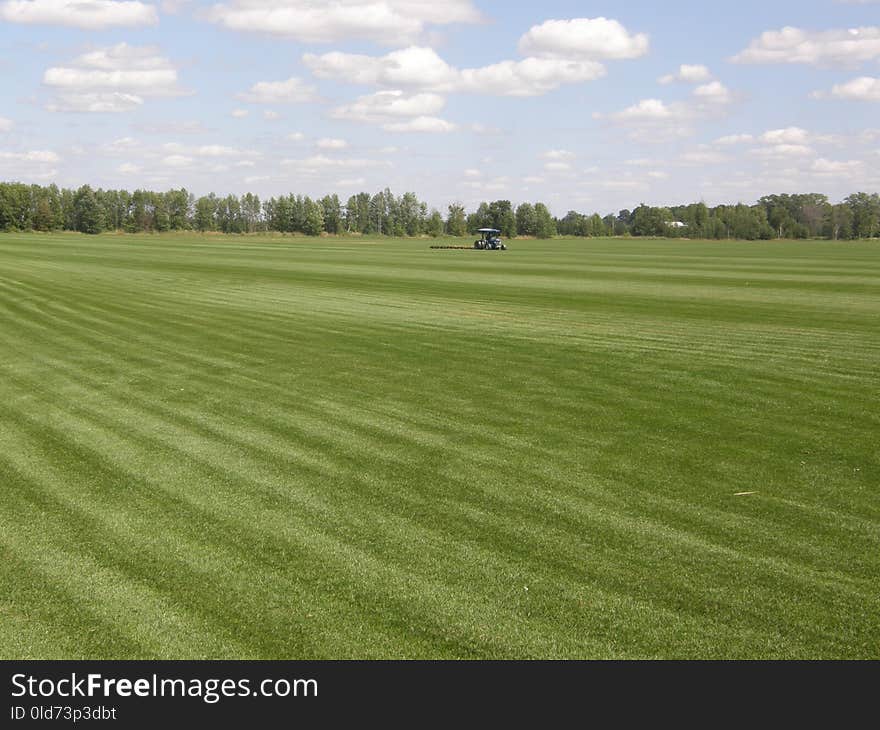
x,y
584,105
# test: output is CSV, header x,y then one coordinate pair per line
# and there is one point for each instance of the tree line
x,y
50,208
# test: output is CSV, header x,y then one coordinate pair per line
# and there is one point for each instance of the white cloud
x,y
557,166
791,143
318,163
126,168
714,92
112,79
186,126
428,125
864,88
314,21
292,91
84,14
831,167
529,77
646,110
421,68
703,155
785,150
583,38
30,165
177,161
414,66
239,113
103,103
558,155
397,111
33,156
351,182
271,116
789,135
817,48
5,124
207,150
688,74
732,139
653,120
296,136
328,143
120,146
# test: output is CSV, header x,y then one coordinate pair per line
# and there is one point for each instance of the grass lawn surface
x,y
244,447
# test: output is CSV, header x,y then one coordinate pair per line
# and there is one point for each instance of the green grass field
x,y
290,448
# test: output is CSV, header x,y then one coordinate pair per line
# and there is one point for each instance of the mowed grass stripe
x,y
392,458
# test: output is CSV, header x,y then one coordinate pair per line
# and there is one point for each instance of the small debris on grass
x,y
744,494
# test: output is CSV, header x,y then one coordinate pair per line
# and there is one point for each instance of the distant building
x,y
677,224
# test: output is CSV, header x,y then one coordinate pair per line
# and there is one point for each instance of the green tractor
x,y
489,240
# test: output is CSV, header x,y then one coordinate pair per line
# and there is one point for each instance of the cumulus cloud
x,y
703,155
120,146
421,68
428,125
328,143
32,156
864,88
785,143
415,66
789,135
688,74
292,91
208,150
794,144
397,111
29,165
558,155
315,21
732,139
583,38
654,120
112,79
816,48
832,167
322,163
389,104
646,110
714,92
84,14
177,161
111,102
556,52
239,113
529,77
186,126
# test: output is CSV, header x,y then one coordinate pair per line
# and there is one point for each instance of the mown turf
x,y
291,448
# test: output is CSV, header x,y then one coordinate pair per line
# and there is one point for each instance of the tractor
x,y
489,240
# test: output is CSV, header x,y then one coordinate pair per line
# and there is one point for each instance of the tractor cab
x,y
490,240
